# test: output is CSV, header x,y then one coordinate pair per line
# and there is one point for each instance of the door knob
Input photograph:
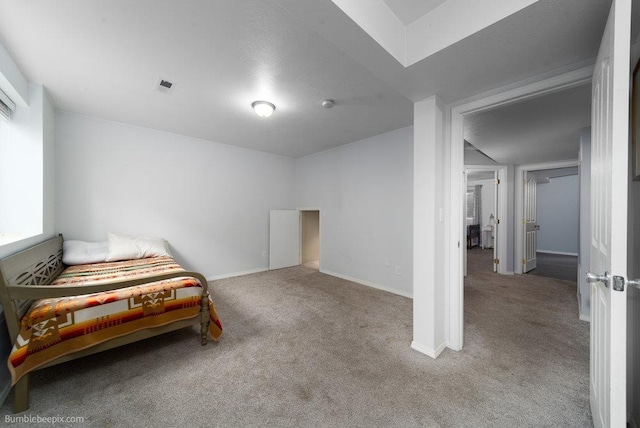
x,y
598,278
634,282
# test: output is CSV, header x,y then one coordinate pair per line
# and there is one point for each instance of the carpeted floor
x,y
301,348
558,266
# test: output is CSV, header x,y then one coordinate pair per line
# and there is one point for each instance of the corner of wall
x,y
49,164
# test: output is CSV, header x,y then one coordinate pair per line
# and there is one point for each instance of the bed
x,y
56,313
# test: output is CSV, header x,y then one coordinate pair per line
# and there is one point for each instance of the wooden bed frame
x,y
25,277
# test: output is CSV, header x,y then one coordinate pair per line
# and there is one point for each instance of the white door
x,y
609,175
466,221
284,238
496,222
530,227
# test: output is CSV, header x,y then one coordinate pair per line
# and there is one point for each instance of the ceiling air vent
x,y
165,86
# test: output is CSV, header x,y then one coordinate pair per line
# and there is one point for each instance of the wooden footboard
x,y
40,264
25,277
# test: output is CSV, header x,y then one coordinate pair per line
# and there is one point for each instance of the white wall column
x,y
428,228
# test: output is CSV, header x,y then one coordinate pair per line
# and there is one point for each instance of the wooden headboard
x,y
37,265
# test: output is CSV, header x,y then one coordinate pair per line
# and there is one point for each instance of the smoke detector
x,y
328,103
165,86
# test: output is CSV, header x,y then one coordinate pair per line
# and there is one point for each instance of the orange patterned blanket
x,y
56,327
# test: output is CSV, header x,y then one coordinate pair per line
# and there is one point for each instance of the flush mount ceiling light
x,y
263,108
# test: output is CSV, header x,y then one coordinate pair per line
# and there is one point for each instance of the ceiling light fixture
x,y
263,108
328,103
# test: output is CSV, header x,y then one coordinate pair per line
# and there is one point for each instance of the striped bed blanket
x,y
56,327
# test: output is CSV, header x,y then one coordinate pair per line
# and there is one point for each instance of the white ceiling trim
x,y
453,21
378,20
445,25
522,91
410,10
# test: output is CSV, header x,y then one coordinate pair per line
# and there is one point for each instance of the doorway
x,y
481,212
556,216
486,216
294,238
310,238
456,136
549,239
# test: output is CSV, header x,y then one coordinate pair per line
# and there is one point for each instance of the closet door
x,y
284,238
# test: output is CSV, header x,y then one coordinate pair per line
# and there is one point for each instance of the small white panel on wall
x,y
284,238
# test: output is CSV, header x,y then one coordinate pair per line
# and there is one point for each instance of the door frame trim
x,y
519,202
454,132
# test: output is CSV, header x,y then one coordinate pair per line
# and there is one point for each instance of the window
x,y
21,171
5,109
6,235
471,205
474,204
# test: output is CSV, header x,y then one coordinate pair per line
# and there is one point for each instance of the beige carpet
x,y
305,349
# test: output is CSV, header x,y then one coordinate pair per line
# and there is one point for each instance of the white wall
x,y
364,192
558,207
430,229
210,201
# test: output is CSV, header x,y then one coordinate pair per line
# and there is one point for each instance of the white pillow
x,y
76,252
124,247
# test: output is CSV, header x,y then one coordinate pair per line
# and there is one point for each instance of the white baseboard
x,y
232,275
326,272
440,348
433,353
584,317
560,253
509,272
367,283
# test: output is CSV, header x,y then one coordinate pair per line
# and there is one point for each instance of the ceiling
x,y
541,129
103,59
474,156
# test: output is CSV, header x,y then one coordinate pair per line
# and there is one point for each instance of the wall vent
x,y
165,86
